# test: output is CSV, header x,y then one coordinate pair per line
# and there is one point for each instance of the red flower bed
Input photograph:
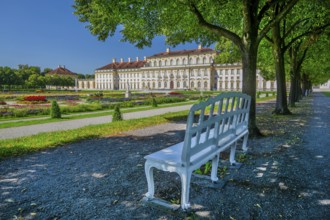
x,y
174,93
35,98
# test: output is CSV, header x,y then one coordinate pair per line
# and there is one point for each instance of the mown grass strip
x,y
10,124
34,143
326,93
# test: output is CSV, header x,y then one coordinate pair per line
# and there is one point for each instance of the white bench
x,y
206,136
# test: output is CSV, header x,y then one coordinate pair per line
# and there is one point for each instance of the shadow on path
x,y
104,179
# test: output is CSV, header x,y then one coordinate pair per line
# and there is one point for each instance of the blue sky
x,y
45,33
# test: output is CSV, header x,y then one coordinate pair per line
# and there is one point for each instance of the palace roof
x,y
61,70
123,65
182,52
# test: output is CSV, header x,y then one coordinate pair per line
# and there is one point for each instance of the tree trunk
x,y
278,53
249,51
306,85
295,90
249,87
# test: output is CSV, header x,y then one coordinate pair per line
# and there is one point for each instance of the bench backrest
x,y
210,121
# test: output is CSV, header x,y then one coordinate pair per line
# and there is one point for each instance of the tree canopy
x,y
26,76
244,22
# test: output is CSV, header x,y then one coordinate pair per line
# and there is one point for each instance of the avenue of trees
x,y
287,32
31,77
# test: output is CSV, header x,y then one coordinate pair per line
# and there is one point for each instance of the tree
x,y
306,18
7,77
36,81
266,61
46,70
315,66
203,21
278,52
24,72
228,52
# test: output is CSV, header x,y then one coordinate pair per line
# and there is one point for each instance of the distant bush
x,y
117,114
55,111
154,102
20,112
82,108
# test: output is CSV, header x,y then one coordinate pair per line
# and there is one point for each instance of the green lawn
x,y
326,93
45,119
34,143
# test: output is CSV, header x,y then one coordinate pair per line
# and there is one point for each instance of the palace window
x,y
205,85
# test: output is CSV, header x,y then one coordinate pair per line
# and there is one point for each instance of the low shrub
x,y
154,102
55,111
20,112
117,114
81,108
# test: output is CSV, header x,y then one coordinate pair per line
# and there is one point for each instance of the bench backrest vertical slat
x,y
185,156
204,134
244,108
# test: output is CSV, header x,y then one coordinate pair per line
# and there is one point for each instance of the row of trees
x,y
283,27
31,77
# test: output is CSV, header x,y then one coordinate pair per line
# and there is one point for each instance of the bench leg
x,y
185,182
150,180
232,154
244,147
214,172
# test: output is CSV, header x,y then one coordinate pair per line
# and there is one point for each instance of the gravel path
x,y
7,133
285,176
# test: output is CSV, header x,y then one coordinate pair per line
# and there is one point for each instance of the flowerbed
x,y
24,110
63,97
35,98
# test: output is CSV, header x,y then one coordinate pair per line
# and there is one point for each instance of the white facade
x,y
177,70
325,86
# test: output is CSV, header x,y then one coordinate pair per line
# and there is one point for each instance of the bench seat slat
x,y
170,155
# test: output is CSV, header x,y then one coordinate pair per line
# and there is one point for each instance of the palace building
x,y
172,70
